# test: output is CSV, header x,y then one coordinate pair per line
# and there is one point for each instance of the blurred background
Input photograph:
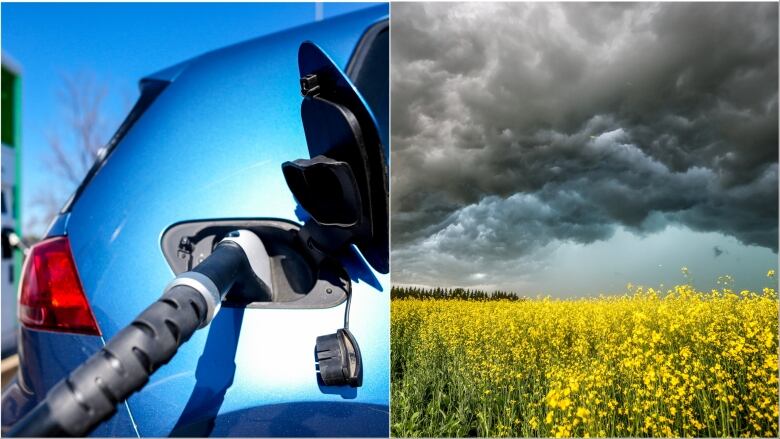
x,y
69,77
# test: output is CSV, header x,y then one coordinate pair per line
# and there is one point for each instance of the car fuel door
x,y
343,184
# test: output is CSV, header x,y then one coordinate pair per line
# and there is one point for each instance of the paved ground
x,y
9,366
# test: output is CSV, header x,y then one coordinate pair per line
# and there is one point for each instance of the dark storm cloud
x,y
518,125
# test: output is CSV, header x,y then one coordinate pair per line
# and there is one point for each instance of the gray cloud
x,y
520,125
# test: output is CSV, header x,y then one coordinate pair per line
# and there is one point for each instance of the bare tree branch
x,y
81,97
60,163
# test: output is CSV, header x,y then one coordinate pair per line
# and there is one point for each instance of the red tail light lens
x,y
51,295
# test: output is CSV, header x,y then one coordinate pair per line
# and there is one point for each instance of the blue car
x,y
219,142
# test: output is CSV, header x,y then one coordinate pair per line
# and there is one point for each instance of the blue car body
x,y
209,146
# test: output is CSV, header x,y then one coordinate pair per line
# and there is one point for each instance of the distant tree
x,y
73,144
438,293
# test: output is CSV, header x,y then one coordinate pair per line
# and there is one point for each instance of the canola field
x,y
647,364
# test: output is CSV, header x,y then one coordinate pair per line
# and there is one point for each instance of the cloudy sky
x,y
570,149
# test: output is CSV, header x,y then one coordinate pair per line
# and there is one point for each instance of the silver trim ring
x,y
255,252
205,286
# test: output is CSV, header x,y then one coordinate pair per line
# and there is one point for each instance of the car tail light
x,y
51,295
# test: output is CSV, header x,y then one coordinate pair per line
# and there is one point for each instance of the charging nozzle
x,y
240,257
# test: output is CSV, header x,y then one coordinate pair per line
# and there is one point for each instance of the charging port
x,y
296,281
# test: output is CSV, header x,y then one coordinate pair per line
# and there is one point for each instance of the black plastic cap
x,y
339,359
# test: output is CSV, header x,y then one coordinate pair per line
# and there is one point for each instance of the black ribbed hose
x,y
90,394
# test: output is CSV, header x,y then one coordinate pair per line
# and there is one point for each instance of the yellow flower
x,y
678,363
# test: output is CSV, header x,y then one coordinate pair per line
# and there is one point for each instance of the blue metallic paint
x,y
211,146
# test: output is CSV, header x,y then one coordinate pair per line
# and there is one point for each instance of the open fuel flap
x,y
343,184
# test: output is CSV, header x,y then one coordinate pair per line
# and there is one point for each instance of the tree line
x,y
450,293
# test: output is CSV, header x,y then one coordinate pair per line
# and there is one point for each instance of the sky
x,y
116,44
569,149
